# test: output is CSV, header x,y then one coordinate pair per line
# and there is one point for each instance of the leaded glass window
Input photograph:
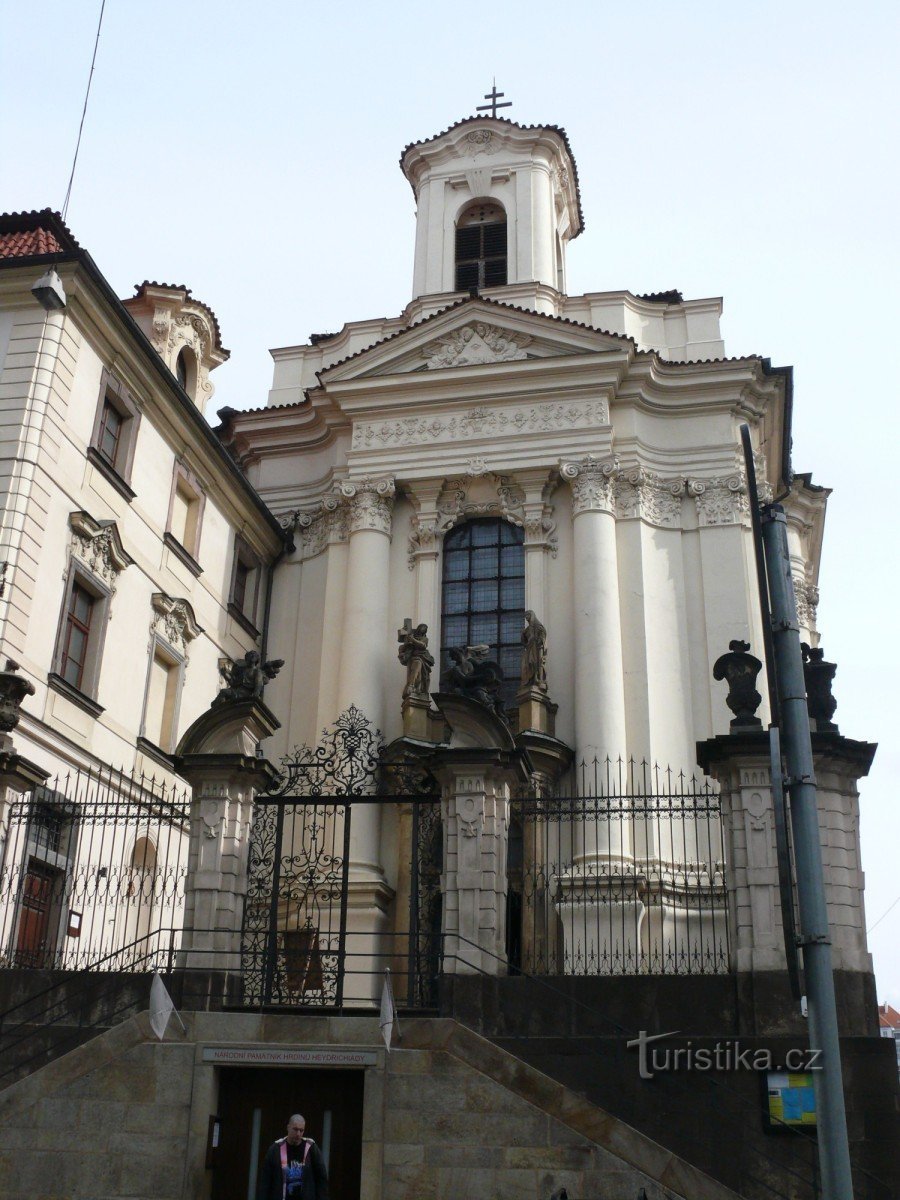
x,y
483,595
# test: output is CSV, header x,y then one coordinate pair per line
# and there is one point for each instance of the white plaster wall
x,y
54,730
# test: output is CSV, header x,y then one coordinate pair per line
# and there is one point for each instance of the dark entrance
x,y
254,1107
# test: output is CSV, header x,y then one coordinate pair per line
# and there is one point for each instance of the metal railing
x,y
91,862
624,874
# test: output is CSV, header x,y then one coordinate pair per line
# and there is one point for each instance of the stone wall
x,y
446,1114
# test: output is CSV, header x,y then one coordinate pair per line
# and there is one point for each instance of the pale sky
x,y
250,152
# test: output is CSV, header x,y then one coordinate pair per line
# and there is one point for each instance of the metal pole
x,y
834,1151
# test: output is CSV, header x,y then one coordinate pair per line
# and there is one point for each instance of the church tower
x,y
497,204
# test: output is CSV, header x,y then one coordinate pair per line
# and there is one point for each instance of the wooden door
x,y
32,948
255,1104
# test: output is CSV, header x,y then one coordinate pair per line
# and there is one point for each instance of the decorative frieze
x,y
482,422
99,546
174,621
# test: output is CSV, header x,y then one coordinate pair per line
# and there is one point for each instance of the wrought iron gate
x,y
299,946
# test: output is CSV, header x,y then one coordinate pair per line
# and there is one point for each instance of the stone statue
x,y
534,653
474,675
417,659
245,680
740,670
818,676
13,690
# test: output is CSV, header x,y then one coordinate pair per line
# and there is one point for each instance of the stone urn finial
x,y
13,690
819,677
740,669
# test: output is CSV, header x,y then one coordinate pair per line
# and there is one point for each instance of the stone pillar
x,y
218,758
476,775
740,765
475,804
599,679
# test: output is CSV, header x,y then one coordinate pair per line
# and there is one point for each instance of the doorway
x,y
254,1107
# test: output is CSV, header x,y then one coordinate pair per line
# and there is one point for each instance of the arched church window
x,y
481,247
483,595
181,369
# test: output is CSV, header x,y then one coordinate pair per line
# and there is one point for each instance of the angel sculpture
x,y
475,676
246,679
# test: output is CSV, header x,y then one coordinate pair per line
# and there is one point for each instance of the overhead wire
x,y
65,207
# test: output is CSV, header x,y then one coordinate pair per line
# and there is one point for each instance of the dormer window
x,y
481,247
181,369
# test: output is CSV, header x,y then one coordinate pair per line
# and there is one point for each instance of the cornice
x,y
119,342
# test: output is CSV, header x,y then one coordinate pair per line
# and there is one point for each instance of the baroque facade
x,y
500,544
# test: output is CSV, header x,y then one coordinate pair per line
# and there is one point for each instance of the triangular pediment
x,y
474,333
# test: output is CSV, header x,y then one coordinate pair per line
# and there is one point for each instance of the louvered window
x,y
481,248
483,595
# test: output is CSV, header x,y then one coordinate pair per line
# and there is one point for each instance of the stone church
x,y
412,678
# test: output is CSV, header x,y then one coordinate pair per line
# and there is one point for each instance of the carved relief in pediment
x,y
474,344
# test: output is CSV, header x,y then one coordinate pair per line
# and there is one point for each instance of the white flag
x,y
388,1010
161,1006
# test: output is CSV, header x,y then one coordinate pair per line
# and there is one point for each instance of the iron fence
x,y
622,875
317,932
92,861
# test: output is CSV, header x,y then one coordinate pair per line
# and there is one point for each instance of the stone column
x,y
599,906
218,758
366,641
599,677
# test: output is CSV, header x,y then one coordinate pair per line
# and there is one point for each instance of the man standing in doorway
x,y
293,1168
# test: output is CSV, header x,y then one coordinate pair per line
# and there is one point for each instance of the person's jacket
x,y
315,1177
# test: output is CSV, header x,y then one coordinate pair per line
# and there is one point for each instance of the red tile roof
x,y
27,243
888,1018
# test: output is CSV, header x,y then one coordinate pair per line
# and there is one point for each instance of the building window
x,y
185,517
483,595
80,640
77,633
115,434
481,247
243,594
164,682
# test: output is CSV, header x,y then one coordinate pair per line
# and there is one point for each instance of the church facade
x,y
440,661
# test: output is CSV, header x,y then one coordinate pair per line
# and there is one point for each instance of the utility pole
x,y
814,939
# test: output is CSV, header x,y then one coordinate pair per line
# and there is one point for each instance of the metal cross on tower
x,y
494,96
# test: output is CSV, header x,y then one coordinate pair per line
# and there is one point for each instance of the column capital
x,y
591,480
370,502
